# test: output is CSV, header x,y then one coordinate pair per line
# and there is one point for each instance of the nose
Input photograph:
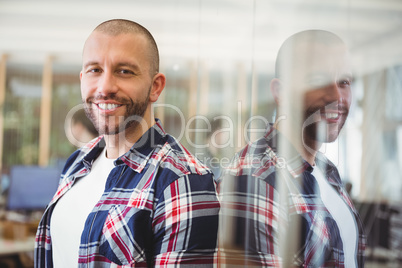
x,y
107,84
334,92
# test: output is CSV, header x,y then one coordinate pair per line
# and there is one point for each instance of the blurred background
x,y
218,56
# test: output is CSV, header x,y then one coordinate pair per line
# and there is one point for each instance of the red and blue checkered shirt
x,y
259,211
159,208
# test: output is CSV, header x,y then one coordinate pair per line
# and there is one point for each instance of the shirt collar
x,y
138,155
295,164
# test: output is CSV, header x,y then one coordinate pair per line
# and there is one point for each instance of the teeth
x,y
107,106
331,115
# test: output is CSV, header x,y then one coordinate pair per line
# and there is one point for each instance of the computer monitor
x,y
31,187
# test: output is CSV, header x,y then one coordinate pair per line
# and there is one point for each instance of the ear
x,y
81,76
275,87
158,84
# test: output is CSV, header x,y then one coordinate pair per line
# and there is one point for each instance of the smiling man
x,y
133,196
285,199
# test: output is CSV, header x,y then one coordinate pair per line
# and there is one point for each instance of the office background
x,y
218,56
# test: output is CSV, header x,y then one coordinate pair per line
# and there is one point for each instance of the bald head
x,y
313,84
301,46
120,26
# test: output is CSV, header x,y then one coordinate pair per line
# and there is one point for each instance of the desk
x,y
14,247
17,243
17,253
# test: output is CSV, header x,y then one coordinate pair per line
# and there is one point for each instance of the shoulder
x,y
173,157
252,160
72,161
175,169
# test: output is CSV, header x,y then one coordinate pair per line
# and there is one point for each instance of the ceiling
x,y
219,32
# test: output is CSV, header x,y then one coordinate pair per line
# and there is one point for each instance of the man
x,y
133,196
285,200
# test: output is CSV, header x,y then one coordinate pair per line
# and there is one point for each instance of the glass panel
x,y
219,59
21,115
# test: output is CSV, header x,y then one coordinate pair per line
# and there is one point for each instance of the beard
x,y
315,127
111,125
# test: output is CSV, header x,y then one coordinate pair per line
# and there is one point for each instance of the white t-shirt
x,y
342,215
71,211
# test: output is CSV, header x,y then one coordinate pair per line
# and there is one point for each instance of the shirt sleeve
x,y
251,217
185,223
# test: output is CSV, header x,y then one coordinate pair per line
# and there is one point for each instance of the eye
x,y
94,70
126,71
344,82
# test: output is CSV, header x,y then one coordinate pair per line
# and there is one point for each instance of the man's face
x,y
115,81
324,75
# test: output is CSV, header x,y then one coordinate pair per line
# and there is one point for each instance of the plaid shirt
x,y
159,208
250,199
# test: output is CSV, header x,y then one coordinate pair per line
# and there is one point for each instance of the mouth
x,y
108,106
104,106
331,115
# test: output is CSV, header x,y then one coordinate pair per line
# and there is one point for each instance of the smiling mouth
x,y
331,115
108,106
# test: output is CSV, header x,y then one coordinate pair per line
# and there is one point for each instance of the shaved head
x,y
290,52
120,26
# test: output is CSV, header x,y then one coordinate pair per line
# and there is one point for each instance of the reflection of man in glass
x,y
284,199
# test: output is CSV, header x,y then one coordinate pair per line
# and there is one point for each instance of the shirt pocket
x,y
119,242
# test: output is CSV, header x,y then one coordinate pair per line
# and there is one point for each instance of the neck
x,y
305,146
309,150
120,143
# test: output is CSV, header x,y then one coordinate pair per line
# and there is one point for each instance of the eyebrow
x,y
347,75
121,64
129,65
90,63
319,75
